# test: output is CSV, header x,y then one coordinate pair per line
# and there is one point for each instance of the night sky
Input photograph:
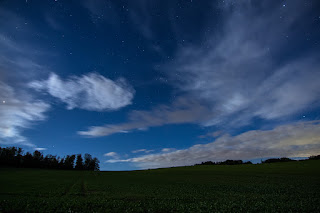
x,y
147,84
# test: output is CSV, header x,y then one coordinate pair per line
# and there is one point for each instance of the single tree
x,y
87,161
79,163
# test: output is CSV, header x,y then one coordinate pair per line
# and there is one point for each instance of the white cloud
x,y
111,154
142,150
294,140
18,112
90,92
40,148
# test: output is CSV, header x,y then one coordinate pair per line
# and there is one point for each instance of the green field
x,y
277,187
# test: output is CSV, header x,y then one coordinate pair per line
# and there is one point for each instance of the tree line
x,y
227,162
14,157
276,160
270,160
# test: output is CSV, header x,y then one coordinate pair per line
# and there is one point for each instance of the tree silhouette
x,y
314,157
19,158
91,163
87,160
13,157
37,159
94,164
275,160
79,163
69,161
227,162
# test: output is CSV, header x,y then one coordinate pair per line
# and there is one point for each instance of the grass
x,y
277,187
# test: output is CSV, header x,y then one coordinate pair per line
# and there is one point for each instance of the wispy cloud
x,y
90,92
112,155
142,150
140,15
40,148
101,11
168,150
20,59
211,134
53,22
183,110
237,74
294,140
19,62
18,112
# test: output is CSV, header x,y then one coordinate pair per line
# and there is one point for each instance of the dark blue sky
x,y
145,84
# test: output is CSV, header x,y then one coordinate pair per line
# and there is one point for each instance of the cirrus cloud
x,y
183,110
236,71
235,76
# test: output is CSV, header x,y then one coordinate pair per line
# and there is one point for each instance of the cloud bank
x,y
294,140
90,92
18,112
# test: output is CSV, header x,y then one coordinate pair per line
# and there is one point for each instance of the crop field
x,y
277,187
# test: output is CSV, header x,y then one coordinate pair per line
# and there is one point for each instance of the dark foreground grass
x,y
278,187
